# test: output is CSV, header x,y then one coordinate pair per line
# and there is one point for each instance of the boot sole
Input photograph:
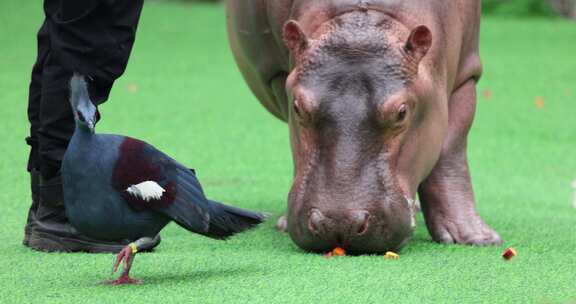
x,y
50,243
26,241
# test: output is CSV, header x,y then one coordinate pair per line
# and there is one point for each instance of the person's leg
x,y
56,121
95,40
63,46
51,126
34,119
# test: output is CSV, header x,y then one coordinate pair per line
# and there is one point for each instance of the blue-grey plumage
x,y
93,206
117,188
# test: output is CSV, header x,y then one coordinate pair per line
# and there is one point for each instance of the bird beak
x,y
91,126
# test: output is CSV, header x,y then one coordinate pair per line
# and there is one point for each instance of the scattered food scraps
x,y
132,88
509,253
338,252
335,252
391,255
487,94
539,102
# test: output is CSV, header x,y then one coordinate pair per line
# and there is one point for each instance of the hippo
x,y
379,97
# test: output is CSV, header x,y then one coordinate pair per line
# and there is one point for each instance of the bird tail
x,y
226,221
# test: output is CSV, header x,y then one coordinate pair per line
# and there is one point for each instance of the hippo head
x,y
356,122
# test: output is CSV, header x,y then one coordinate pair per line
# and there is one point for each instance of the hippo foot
x,y
282,224
467,232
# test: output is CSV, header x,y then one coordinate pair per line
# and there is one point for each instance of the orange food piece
x,y
487,94
132,88
338,251
509,253
539,102
391,255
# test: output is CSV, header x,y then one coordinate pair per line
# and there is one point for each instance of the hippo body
x,y
379,96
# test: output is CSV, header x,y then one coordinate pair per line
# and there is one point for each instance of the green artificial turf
x,y
183,93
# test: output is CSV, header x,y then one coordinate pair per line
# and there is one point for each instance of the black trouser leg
x,y
56,118
51,121
35,96
91,37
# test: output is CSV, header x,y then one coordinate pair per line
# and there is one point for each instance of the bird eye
x,y
402,111
80,116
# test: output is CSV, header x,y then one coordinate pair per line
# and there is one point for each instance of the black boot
x,y
48,229
34,181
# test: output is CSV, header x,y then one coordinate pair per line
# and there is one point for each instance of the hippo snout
x,y
354,222
358,231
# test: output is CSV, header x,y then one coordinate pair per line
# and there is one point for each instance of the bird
x,y
121,188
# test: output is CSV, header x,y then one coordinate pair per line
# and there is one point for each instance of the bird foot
x,y
127,255
124,280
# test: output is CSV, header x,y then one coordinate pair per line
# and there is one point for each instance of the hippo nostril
x,y
363,228
362,219
315,221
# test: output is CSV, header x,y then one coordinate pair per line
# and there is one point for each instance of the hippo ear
x,y
294,37
419,42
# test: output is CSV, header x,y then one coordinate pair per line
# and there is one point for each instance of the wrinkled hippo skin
x,y
379,96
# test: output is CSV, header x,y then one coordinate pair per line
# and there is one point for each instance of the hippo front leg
x,y
446,195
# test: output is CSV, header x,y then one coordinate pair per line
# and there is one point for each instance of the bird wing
x,y
148,179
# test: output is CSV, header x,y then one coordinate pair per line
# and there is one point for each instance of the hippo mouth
x,y
366,241
360,228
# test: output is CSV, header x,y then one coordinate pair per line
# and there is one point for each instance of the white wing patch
x,y
148,190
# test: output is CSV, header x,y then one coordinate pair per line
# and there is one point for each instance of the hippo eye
x,y
402,111
296,108
303,111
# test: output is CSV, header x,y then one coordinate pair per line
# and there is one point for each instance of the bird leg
x,y
127,254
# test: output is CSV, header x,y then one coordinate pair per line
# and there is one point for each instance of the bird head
x,y
85,112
